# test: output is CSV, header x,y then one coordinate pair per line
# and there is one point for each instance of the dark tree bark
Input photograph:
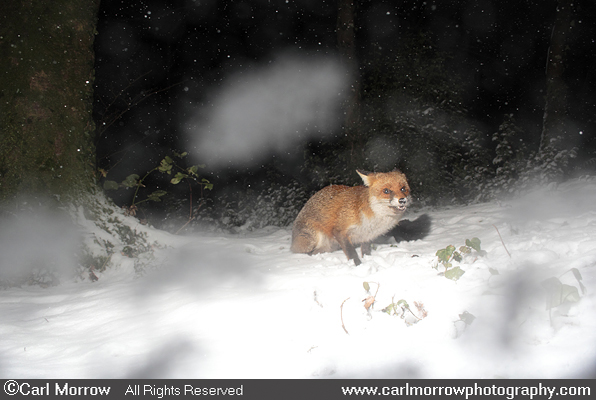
x,y
46,86
346,41
555,108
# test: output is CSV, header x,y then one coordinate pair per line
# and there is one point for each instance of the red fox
x,y
343,217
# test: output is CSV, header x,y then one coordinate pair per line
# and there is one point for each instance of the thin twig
x,y
341,314
192,215
499,233
317,300
190,199
377,292
184,226
412,312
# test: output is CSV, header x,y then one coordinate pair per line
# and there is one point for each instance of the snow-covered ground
x,y
243,306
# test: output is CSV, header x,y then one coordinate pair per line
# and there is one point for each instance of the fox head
x,y
389,192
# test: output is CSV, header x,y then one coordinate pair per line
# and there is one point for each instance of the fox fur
x,y
344,217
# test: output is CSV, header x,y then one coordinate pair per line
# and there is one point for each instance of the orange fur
x,y
343,217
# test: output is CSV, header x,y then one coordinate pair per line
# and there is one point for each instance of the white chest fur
x,y
383,219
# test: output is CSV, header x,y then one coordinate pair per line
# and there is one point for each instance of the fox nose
x,y
403,201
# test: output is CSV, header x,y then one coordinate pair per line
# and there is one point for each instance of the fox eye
x,y
386,191
403,189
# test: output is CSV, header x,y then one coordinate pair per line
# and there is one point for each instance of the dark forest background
x,y
453,93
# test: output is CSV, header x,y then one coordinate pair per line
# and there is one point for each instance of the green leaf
x,y
403,303
110,185
366,286
445,254
131,180
178,177
583,288
207,184
551,284
465,250
388,309
569,293
578,276
457,257
576,273
155,196
165,165
450,249
454,273
474,243
558,293
467,317
193,170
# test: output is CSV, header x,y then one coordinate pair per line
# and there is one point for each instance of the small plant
x,y
466,319
166,166
558,293
398,308
401,307
370,300
449,254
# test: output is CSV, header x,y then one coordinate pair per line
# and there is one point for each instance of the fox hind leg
x,y
303,242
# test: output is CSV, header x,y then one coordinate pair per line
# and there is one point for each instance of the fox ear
x,y
366,177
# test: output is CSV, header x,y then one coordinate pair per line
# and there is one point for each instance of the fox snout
x,y
399,204
402,203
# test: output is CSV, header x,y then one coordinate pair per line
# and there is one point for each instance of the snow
x,y
243,306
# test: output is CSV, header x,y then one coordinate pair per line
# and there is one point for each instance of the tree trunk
x,y
346,41
46,87
555,108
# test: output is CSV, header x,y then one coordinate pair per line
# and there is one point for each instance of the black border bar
x,y
303,389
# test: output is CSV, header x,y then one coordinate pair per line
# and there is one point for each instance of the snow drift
x,y
243,306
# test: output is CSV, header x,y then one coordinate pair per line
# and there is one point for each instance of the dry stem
x,y
341,314
499,233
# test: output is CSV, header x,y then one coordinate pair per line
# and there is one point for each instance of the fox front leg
x,y
365,249
348,248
